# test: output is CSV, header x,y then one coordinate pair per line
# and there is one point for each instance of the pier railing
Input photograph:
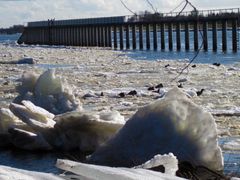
x,y
200,14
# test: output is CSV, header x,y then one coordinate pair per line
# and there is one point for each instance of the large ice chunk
x,y
173,124
48,92
94,172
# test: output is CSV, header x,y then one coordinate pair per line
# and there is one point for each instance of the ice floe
x,y
95,172
173,124
48,92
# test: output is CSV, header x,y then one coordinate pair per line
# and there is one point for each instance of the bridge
x,y
147,31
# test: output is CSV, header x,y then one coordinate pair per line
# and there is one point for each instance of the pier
x,y
159,31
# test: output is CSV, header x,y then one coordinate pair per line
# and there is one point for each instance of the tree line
x,y
12,30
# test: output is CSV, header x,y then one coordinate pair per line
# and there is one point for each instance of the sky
x,y
22,11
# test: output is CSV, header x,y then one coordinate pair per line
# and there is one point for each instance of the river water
x,y
45,162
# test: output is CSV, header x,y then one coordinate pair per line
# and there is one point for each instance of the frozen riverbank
x,y
96,71
99,76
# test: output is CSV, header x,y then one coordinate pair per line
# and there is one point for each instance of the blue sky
x,y
22,11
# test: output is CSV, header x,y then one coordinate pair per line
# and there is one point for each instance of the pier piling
x,y
127,37
195,26
178,36
134,37
121,37
162,36
205,36
170,39
224,36
155,38
140,36
115,37
148,37
234,35
214,35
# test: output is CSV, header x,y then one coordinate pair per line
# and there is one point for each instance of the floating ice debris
x,y
233,145
30,112
168,161
7,119
182,80
87,131
48,92
173,124
234,111
41,130
17,174
94,172
26,60
192,92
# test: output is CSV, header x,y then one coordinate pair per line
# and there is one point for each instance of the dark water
x,y
45,161
40,162
9,38
204,57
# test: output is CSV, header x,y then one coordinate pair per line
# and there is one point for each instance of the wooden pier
x,y
154,31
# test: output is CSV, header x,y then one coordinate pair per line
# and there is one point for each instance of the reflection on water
x,y
36,161
41,162
45,161
203,57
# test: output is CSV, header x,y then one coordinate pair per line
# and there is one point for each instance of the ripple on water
x,y
231,158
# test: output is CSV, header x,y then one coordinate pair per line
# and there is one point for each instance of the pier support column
x,y
155,38
163,36
81,36
234,35
134,36
94,36
71,36
77,35
110,36
121,36
140,36
195,26
187,46
115,37
99,37
178,36
106,36
60,35
170,39
127,37
214,35
224,35
205,36
68,37
90,36
102,37
148,36
74,36
87,36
